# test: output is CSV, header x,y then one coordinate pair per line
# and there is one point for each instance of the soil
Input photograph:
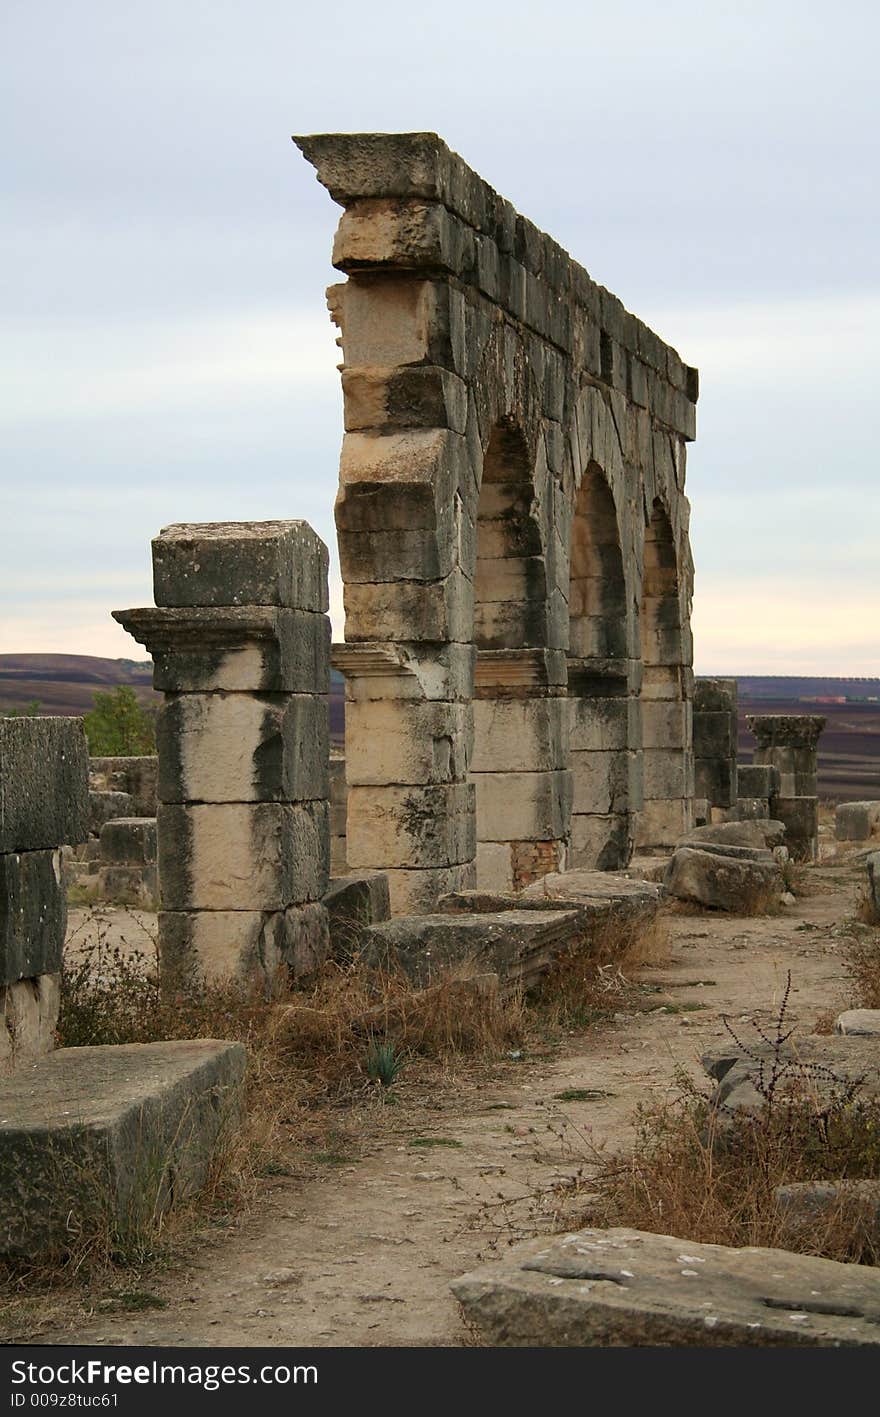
x,y
363,1252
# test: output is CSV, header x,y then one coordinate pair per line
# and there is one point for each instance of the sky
x,y
167,354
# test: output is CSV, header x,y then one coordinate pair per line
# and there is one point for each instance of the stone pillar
x,y
604,737
789,742
240,641
667,757
44,804
411,808
519,767
715,742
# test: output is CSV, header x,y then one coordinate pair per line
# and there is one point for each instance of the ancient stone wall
x,y
43,805
715,742
789,744
513,537
240,641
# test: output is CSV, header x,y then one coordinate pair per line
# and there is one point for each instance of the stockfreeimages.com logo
x,y
95,1373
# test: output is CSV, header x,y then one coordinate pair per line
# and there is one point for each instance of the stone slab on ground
x,y
595,895
824,1063
862,1022
119,1130
44,783
517,945
619,1288
764,834
724,882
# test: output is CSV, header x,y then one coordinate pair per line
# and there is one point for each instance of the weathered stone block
x,y
241,563
759,835
218,945
604,724
757,780
243,748
517,945
400,741
416,892
519,735
872,899
716,779
600,842
857,821
629,1288
257,649
523,806
724,882
44,783
136,776
865,1022
801,818
714,735
33,914
28,1016
104,806
423,826
129,885
115,1133
129,841
242,855
306,938
600,783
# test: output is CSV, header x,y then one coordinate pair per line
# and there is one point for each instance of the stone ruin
x,y
520,701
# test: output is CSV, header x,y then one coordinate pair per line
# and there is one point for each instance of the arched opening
x,y
510,586
599,706
518,761
666,707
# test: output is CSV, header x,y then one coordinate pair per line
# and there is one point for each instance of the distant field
x,y
849,749
66,683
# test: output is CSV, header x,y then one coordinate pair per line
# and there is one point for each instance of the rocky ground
x,y
363,1253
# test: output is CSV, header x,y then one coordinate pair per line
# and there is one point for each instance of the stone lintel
x,y
503,669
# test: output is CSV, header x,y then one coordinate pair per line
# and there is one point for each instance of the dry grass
x,y
707,1172
706,1175
591,981
861,962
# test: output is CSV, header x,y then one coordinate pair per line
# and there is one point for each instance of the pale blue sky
x,y
165,249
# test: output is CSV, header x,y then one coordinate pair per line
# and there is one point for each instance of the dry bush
x,y
708,1175
861,962
707,1172
592,980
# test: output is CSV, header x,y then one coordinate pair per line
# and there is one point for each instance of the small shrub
x,y
383,1062
861,963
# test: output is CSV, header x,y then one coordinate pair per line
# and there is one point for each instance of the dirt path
x,y
364,1255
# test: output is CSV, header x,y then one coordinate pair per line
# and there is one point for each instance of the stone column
x,y
519,766
240,641
789,742
604,736
44,804
715,742
407,746
667,757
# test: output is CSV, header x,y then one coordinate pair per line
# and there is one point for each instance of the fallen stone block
x,y
810,1205
110,1135
724,882
817,1065
857,821
735,853
517,945
622,1288
761,834
865,1023
353,902
44,794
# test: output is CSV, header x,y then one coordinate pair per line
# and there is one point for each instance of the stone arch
x,y
666,698
518,766
599,702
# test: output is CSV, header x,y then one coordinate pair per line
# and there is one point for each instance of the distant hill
x,y
789,687
67,683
